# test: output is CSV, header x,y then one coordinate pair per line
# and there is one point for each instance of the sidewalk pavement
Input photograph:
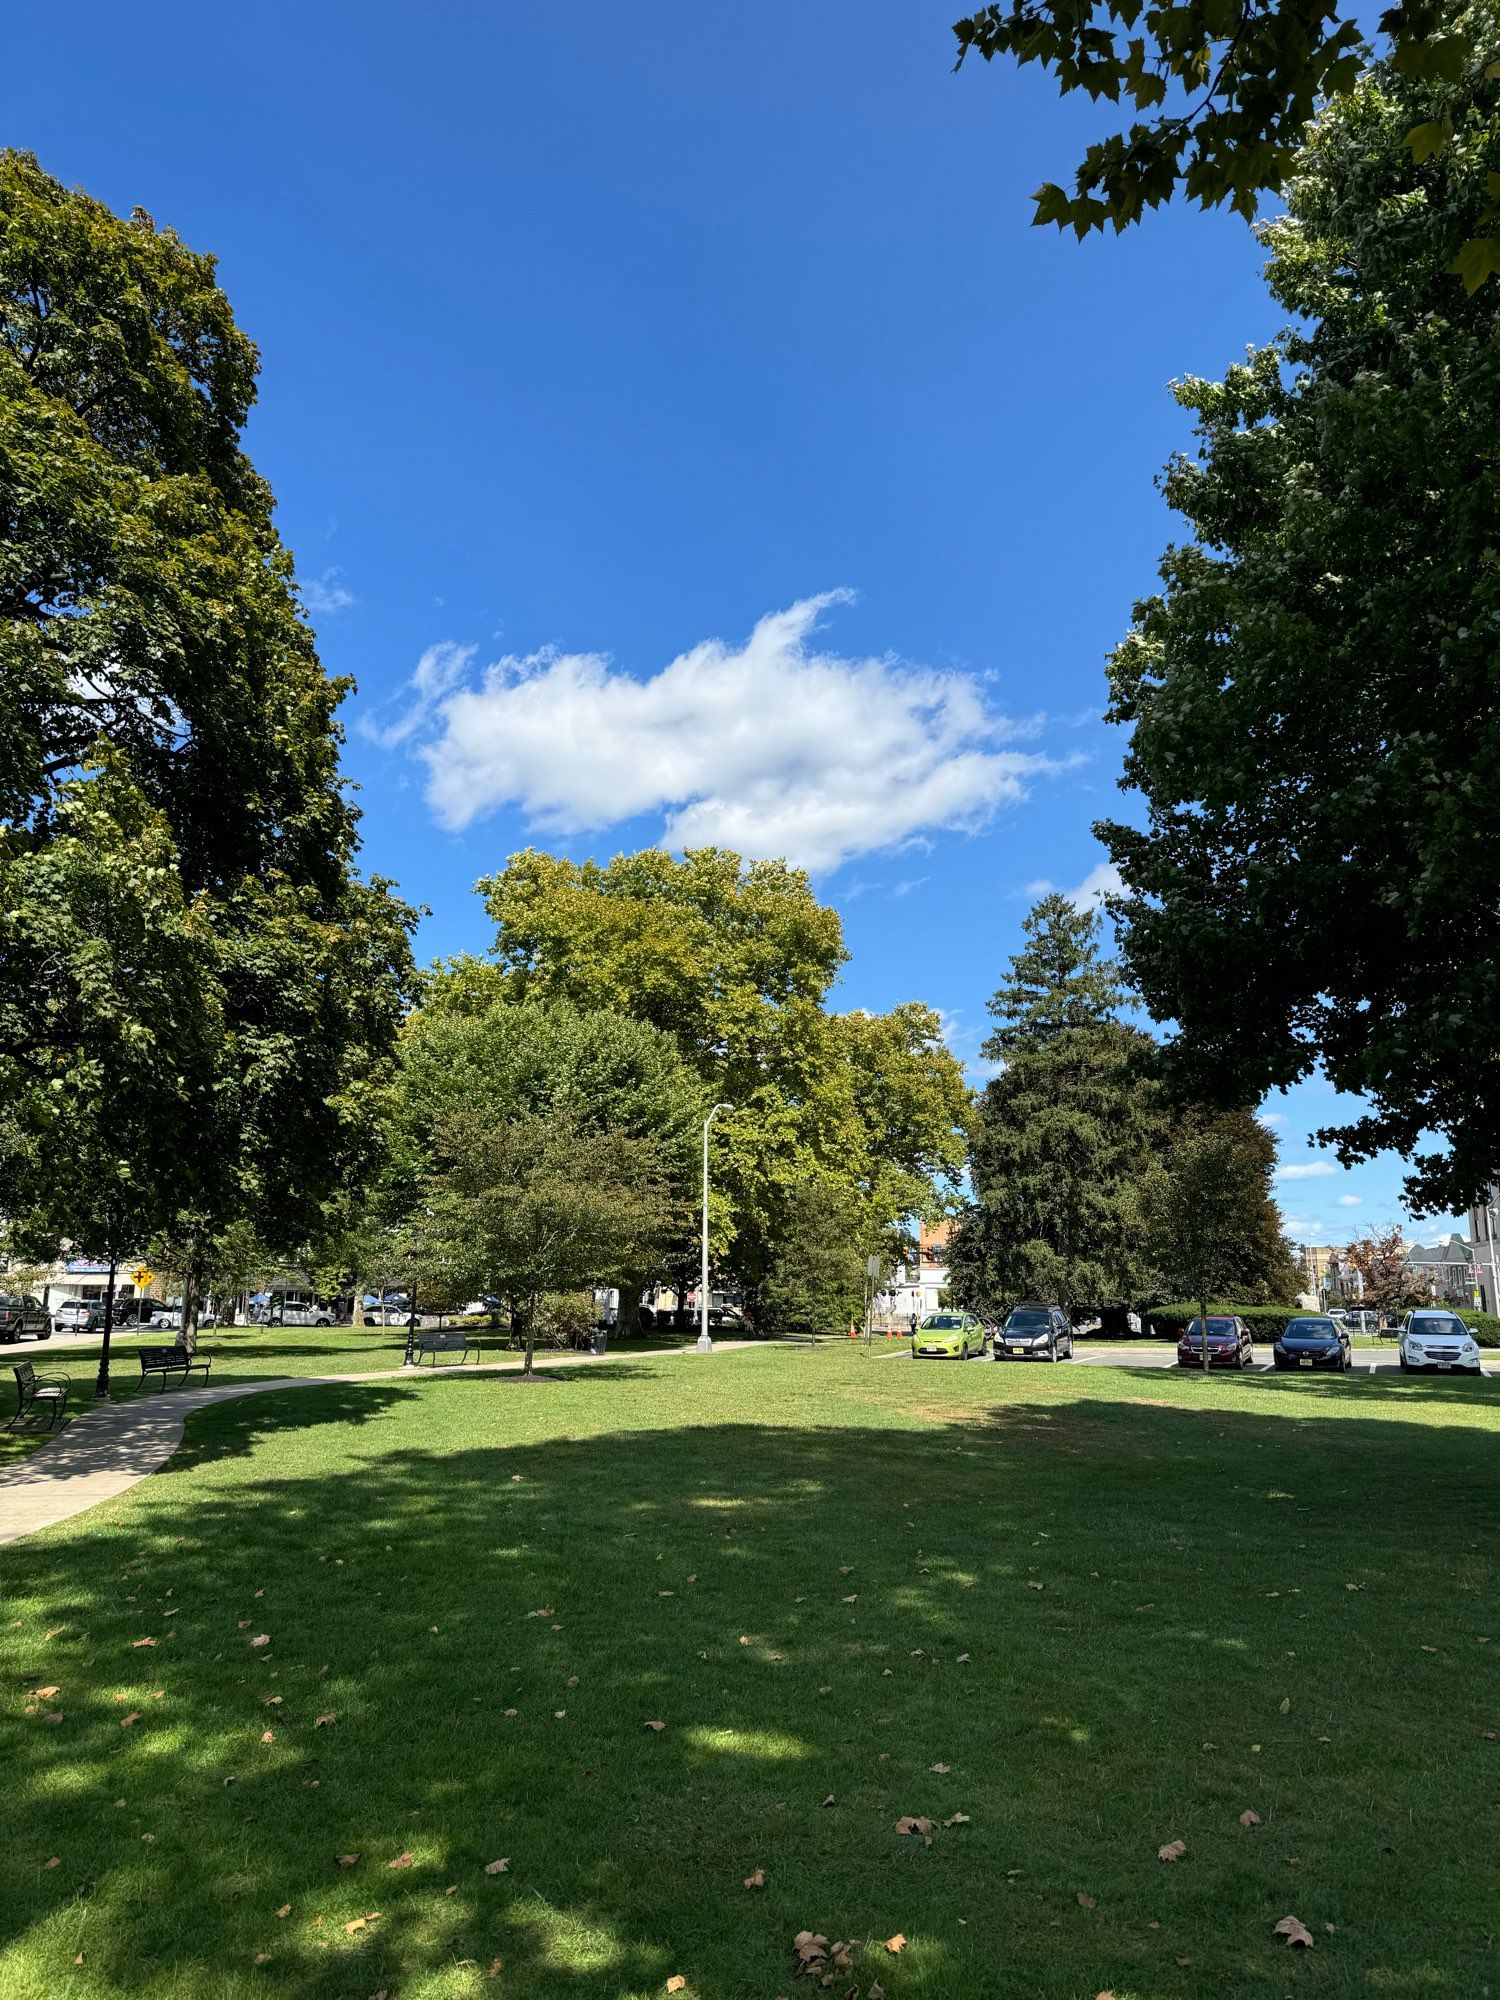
x,y
110,1448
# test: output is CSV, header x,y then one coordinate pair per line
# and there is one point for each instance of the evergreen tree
x,y
1065,1133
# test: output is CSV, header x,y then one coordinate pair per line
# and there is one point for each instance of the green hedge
x,y
1484,1326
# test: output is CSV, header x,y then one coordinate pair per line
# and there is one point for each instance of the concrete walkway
x,y
109,1449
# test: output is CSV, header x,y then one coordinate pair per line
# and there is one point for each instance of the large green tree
x,y
1312,695
1226,88
735,961
155,672
1066,1130
468,1051
1212,1223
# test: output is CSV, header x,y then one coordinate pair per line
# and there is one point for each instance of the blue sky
x,y
683,434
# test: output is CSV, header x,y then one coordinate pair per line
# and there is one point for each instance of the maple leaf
x,y
1085,1902
914,1823
757,1880
324,1720
46,1694
402,1860
126,1720
501,1867
895,1944
268,1736
1173,1851
55,1862
941,1769
136,1644
676,1983
346,1860
285,1910
1249,1818
956,1819
1294,1931
260,1639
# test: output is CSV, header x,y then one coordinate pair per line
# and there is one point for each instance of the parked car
x,y
1438,1340
1318,1341
947,1336
1035,1333
1229,1343
169,1318
21,1315
483,1308
73,1315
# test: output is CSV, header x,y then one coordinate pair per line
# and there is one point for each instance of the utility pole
x,y
705,1343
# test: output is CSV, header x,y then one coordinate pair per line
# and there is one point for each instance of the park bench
x,y
444,1340
33,1390
165,1361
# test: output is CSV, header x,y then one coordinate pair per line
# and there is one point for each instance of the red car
x,y
1229,1343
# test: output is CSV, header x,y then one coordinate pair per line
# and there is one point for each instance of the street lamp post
x,y
705,1344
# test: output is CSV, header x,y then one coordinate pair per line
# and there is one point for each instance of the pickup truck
x,y
20,1314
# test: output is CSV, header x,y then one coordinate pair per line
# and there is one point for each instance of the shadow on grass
x,y
492,1624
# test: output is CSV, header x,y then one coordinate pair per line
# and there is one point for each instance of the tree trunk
x,y
357,1316
190,1292
101,1383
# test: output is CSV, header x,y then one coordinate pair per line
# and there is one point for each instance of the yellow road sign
x,y
142,1275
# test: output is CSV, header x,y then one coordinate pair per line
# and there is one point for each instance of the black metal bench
x,y
33,1390
165,1361
444,1340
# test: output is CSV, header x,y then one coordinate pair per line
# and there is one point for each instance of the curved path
x,y
109,1449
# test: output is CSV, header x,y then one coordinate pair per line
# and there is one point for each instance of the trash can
x,y
601,1339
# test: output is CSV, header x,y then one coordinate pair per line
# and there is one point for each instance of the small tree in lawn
x,y
536,1205
1381,1263
1206,1212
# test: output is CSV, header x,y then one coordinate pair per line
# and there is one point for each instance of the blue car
x,y
1314,1342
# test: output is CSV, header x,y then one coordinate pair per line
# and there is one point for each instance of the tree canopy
x,y
1311,695
735,961
1065,1133
158,682
1213,1224
1228,87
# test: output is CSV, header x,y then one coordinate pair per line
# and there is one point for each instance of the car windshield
x,y
1028,1319
1443,1326
1314,1329
942,1323
1218,1329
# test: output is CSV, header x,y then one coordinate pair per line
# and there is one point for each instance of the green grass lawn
x,y
239,1354
1068,1615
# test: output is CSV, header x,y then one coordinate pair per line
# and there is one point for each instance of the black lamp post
x,y
101,1382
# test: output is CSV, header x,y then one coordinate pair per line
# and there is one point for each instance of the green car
x,y
948,1336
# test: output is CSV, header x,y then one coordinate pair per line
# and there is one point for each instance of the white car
x,y
71,1315
1438,1340
171,1318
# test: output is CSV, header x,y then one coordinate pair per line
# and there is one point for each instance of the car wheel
x,y
1404,1365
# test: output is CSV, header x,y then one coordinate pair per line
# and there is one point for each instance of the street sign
x,y
872,1267
142,1275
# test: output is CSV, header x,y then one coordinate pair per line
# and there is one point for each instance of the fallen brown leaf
x,y
1294,1931
136,1644
915,1823
46,1694
756,1880
260,1639
895,1944
657,1726
501,1867
402,1860
676,1983
1172,1851
941,1769
956,1819
1249,1818
1085,1902
126,1720
268,1736
830,1800
285,1910
324,1720
346,1860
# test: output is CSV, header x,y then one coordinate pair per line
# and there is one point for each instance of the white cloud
x,y
1271,1119
323,595
770,747
1105,880
434,677
1310,1170
1351,1201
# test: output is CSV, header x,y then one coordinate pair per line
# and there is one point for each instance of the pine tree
x,y
1066,1130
